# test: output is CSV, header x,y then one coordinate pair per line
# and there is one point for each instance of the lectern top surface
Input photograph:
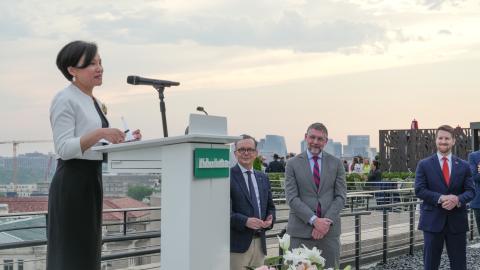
x,y
192,138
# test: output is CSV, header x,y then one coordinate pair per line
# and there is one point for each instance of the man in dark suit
x,y
444,183
474,161
276,166
252,209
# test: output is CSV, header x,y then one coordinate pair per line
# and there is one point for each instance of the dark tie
x,y
253,196
446,171
316,179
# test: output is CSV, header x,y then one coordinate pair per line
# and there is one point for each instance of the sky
x,y
269,66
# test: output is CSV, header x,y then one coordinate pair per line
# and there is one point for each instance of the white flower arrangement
x,y
301,258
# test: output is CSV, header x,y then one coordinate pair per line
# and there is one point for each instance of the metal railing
x,y
124,235
363,240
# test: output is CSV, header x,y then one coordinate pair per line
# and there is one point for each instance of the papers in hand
x,y
128,133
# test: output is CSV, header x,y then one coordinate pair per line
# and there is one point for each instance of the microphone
x,y
137,80
201,109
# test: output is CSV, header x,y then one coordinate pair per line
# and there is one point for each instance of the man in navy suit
x,y
252,209
474,161
444,183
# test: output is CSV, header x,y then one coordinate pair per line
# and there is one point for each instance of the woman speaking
x,y
76,195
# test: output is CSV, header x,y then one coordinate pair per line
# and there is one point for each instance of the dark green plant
x,y
276,177
405,176
139,192
257,164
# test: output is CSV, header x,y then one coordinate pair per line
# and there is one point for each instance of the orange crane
x,y
15,144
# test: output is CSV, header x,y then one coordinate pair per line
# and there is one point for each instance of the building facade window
x,y
20,265
7,264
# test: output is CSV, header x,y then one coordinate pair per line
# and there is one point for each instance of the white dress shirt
x,y
72,115
449,161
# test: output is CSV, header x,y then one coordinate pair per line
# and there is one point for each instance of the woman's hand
x,y
137,135
113,135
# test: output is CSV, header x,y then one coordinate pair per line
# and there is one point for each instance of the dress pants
x,y
456,249
252,257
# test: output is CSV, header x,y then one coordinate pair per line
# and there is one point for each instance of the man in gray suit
x,y
316,191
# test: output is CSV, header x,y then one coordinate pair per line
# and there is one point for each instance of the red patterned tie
x,y
316,179
446,171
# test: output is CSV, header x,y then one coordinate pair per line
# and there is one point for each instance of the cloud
x,y
290,31
438,4
444,32
279,25
13,26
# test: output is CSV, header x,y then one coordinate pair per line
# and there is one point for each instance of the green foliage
x,y
139,192
276,176
399,176
277,179
257,163
355,177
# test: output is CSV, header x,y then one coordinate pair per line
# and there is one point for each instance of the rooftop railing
x,y
389,230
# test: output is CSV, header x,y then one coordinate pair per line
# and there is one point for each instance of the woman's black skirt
x,y
75,216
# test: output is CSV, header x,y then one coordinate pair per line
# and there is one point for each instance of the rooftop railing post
x,y
124,222
412,228
385,235
358,239
471,224
280,250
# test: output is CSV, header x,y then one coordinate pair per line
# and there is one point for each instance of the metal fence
x,y
376,224
400,150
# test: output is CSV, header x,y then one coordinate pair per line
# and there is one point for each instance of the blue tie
x,y
253,196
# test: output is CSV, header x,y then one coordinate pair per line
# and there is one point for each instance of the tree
x,y
139,192
257,163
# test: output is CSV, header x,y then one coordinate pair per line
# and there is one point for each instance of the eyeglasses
x,y
319,138
246,150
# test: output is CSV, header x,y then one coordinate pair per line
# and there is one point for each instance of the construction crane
x,y
49,167
15,144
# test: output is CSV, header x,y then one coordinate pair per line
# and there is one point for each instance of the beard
x,y
444,149
315,150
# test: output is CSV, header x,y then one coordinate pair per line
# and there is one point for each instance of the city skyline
x,y
357,66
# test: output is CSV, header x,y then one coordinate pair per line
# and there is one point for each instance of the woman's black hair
x,y
70,55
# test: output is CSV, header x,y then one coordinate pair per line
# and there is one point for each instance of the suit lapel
x,y
238,175
261,193
454,171
323,172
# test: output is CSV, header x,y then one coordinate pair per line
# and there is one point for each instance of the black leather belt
x,y
258,233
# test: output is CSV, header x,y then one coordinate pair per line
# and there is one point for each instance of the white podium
x,y
195,195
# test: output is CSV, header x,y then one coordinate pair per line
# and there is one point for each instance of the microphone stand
x,y
160,89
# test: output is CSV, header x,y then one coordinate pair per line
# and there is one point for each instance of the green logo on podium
x,y
211,163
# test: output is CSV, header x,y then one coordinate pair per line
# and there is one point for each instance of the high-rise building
x,y
358,141
334,148
272,144
359,145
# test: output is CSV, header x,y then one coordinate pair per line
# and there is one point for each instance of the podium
x,y
195,195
